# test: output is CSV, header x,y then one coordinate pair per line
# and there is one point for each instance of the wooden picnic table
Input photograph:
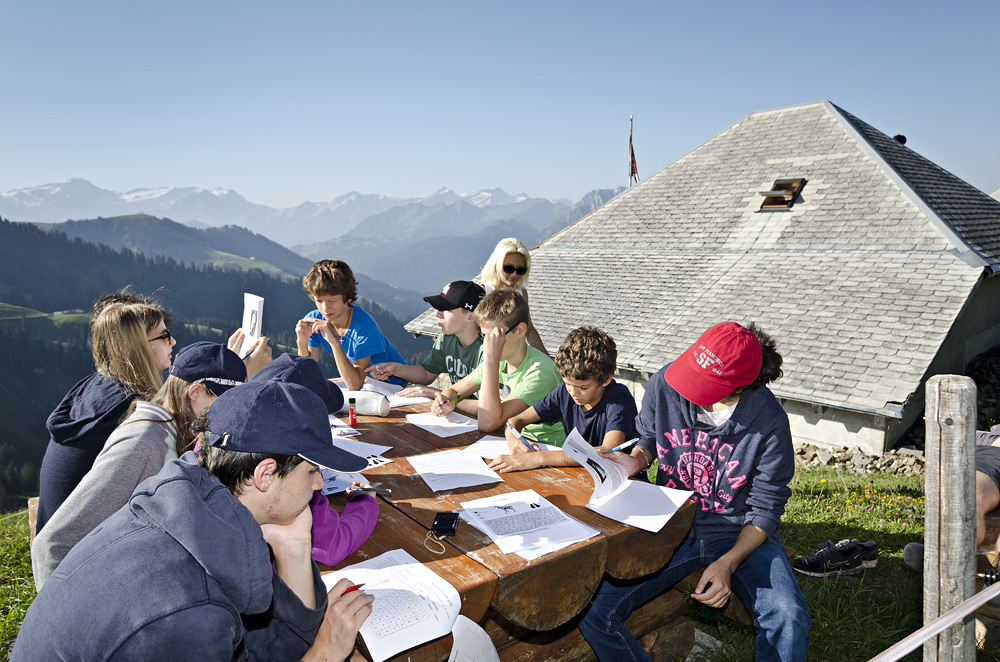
x,y
527,607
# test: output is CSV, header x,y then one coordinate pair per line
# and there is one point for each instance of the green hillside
x,y
46,271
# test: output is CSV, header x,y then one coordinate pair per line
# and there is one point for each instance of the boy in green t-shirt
x,y
512,376
457,351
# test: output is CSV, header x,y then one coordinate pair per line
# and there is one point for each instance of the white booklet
x,y
524,523
631,502
335,482
412,604
472,644
451,469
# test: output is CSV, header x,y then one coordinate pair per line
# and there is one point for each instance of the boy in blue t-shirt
x,y
602,410
359,340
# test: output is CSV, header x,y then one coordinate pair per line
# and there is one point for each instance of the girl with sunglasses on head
x,y
156,430
131,346
507,269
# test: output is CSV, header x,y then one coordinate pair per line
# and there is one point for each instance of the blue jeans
x,y
763,581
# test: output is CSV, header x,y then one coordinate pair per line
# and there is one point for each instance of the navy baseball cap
x,y
303,371
277,418
211,364
457,294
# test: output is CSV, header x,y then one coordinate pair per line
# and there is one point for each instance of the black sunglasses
x,y
511,269
163,336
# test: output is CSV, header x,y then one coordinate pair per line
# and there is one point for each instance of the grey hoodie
x,y
136,450
181,572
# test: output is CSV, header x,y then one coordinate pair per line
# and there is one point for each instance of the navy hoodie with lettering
x,y
739,471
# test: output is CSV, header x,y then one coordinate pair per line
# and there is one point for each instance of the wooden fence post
x,y
950,507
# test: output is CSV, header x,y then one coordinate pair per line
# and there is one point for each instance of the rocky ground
x,y
908,457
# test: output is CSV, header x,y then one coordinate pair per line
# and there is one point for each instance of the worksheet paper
x,y
524,523
490,447
443,426
642,505
472,644
335,482
253,312
412,604
338,428
391,391
452,469
371,452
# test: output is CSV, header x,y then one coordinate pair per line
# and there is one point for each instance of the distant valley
x,y
415,245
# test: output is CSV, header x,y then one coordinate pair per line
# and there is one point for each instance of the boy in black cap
x,y
457,351
184,570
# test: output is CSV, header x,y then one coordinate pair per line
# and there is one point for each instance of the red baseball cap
x,y
725,357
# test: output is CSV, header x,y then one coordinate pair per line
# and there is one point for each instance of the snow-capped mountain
x,y
308,222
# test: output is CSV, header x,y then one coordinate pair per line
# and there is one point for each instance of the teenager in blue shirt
x,y
602,410
341,328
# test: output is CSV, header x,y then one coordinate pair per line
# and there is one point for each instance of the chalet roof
x,y
859,282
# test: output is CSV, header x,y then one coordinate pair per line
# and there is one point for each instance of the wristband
x,y
647,455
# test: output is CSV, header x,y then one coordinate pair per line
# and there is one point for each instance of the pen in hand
x,y
518,434
387,490
353,588
621,447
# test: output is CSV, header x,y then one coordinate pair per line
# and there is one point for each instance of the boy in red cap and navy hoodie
x,y
717,430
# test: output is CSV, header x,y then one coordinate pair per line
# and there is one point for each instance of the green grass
x,y
855,617
17,589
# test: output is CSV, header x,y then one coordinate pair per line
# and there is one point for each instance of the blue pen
x,y
523,440
621,447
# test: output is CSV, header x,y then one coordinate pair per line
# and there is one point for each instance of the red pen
x,y
353,588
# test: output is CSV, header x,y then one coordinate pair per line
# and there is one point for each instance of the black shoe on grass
x,y
831,560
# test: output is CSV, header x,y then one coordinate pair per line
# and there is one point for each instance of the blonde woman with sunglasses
x,y
507,269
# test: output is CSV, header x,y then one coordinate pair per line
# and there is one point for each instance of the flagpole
x,y
633,170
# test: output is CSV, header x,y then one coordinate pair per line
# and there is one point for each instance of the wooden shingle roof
x,y
859,282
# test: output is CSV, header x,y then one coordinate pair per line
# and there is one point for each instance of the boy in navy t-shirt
x,y
602,410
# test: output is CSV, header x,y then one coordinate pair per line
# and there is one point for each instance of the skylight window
x,y
782,195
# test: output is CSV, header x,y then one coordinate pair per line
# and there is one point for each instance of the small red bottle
x,y
352,411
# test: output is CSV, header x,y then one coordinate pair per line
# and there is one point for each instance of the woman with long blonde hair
x,y
156,431
507,269
131,346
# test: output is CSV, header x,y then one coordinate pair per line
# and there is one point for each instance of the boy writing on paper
x,y
602,410
513,375
457,351
341,328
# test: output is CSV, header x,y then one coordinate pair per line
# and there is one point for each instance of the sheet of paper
x,y
472,644
338,428
253,313
443,426
524,522
608,476
362,448
642,505
385,388
412,604
489,447
335,482
451,469
400,401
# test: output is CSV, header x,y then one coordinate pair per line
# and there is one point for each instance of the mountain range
x,y
415,244
211,207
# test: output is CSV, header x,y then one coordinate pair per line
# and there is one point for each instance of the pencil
x,y
353,588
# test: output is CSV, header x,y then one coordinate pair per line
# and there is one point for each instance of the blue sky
x,y
293,101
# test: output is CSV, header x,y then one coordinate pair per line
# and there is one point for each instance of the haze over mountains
x,y
414,243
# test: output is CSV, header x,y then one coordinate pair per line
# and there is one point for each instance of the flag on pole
x,y
633,170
